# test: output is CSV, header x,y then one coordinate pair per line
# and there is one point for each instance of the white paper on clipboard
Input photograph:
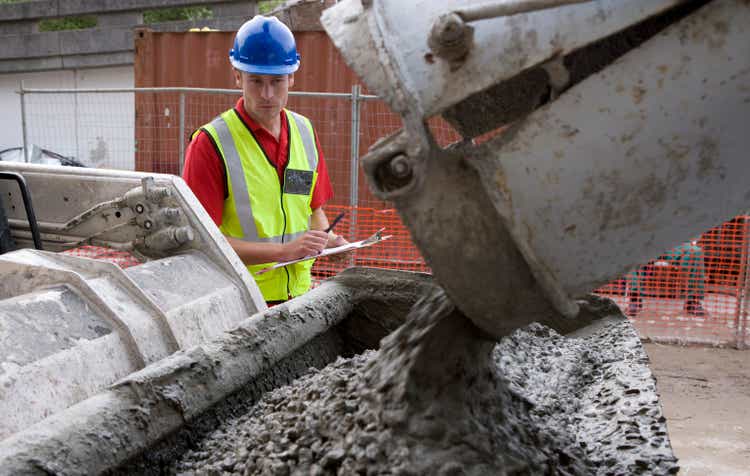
x,y
377,237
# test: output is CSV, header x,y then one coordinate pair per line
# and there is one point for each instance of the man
x,y
688,257
258,168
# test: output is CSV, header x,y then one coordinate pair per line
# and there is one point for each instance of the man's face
x,y
265,95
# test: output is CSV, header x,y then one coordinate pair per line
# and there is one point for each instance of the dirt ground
x,y
705,393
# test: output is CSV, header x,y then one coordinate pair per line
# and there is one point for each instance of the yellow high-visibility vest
x,y
259,207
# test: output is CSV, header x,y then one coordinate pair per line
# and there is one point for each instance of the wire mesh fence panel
x,y
167,121
377,121
332,120
156,132
692,293
96,129
397,252
442,131
695,292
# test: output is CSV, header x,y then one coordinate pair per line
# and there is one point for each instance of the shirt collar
x,y
254,126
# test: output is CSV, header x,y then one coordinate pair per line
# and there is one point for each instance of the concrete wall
x,y
109,43
95,129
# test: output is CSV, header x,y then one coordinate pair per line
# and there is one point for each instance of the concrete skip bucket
x,y
516,228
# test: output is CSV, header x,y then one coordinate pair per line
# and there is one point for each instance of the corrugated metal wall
x,y
201,60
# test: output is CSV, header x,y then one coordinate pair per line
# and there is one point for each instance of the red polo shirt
x,y
206,176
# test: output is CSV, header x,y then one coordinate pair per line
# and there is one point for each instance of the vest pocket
x,y
298,182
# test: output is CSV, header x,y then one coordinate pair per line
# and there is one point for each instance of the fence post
x,y
742,305
354,159
75,120
23,125
181,159
742,331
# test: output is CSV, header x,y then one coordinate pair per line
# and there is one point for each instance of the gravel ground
x,y
705,392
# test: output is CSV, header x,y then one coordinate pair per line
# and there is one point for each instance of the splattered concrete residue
x,y
441,398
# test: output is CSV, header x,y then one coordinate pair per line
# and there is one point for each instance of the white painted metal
x,y
63,193
72,325
630,162
615,170
386,44
504,8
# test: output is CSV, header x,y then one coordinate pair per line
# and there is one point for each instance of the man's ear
x,y
291,80
237,77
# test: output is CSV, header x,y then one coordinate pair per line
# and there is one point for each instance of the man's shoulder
x,y
224,115
200,135
202,146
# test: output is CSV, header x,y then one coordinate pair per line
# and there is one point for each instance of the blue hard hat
x,y
264,45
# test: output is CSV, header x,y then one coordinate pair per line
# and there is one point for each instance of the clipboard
x,y
376,238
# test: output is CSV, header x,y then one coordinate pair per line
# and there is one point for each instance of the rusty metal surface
x,y
182,59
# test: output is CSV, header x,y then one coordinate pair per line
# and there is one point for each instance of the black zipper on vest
x,y
283,212
281,183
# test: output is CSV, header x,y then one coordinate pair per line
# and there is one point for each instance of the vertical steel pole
x,y
354,160
75,114
742,304
23,125
354,169
181,160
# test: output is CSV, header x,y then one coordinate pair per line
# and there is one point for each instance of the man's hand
x,y
309,244
334,241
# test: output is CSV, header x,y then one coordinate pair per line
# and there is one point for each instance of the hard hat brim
x,y
276,70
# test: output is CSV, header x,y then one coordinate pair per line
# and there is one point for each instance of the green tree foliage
x,y
266,6
176,14
67,23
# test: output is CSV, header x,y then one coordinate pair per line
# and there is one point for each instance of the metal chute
x,y
609,158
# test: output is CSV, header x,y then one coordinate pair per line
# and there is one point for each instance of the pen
x,y
333,223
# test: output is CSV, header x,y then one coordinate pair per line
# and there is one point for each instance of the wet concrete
x,y
316,353
442,398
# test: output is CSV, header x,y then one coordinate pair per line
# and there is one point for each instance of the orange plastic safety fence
x,y
694,292
359,223
123,259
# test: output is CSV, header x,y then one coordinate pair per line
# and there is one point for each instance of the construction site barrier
x,y
695,293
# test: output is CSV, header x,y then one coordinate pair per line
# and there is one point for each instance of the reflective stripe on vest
x,y
239,185
235,174
308,141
